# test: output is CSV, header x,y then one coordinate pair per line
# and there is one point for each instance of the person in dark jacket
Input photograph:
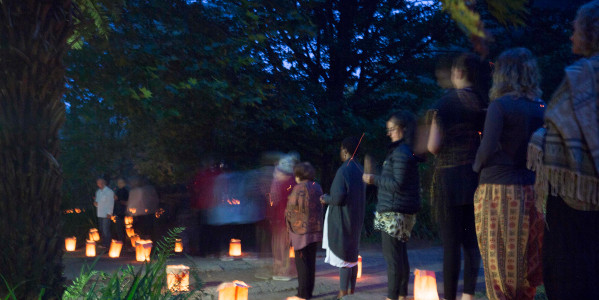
x,y
398,201
121,197
344,217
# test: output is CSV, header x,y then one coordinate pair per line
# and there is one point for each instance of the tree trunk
x,y
33,40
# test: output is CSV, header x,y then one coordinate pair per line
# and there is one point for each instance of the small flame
x,y
132,210
113,219
159,213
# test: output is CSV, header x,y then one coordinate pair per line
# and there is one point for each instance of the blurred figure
x,y
566,159
344,217
509,228
120,207
454,137
280,189
104,201
304,222
398,201
201,237
142,205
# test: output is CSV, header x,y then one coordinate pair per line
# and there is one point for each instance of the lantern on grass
x,y
94,235
128,220
115,248
70,243
235,247
359,266
134,239
236,290
178,245
177,278
129,230
90,248
143,250
291,252
425,285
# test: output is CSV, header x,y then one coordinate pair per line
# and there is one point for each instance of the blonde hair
x,y
516,73
587,19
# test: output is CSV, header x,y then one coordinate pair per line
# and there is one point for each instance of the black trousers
x,y
570,252
398,266
305,263
458,231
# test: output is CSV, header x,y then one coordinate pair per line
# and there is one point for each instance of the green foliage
x,y
128,283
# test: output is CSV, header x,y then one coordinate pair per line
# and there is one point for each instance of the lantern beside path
x,y
359,266
425,285
143,249
128,220
90,248
134,239
70,243
115,248
178,245
129,230
236,290
94,235
177,278
291,252
235,247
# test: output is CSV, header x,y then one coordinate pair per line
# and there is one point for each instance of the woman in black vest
x,y
398,201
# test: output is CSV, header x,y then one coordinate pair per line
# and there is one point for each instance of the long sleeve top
x,y
105,199
501,157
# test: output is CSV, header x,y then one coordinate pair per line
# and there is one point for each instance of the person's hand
x,y
108,216
322,199
368,178
95,204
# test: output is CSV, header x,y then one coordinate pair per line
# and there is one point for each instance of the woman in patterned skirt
x,y
398,201
508,226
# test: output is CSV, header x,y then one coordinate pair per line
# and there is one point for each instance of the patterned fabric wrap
x,y
510,236
304,211
395,224
565,156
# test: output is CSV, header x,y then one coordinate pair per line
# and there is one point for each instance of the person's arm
x,y
399,160
338,190
433,144
491,134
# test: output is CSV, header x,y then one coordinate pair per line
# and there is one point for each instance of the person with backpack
x,y
398,201
303,216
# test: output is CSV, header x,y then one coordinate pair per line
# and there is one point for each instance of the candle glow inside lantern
x,y
115,248
90,248
236,290
134,239
70,243
143,250
235,247
178,245
129,230
177,278
359,266
94,235
291,252
128,220
425,285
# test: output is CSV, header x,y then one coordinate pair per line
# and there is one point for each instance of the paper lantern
x,y
70,243
425,285
235,247
129,230
178,245
359,266
291,252
115,248
94,235
177,278
143,250
134,240
90,248
128,220
236,290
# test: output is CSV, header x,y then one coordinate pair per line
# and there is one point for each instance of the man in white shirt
x,y
104,201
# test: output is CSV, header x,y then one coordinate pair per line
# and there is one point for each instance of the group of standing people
x,y
499,166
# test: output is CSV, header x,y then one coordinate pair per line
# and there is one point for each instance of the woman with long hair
x,y
508,226
398,201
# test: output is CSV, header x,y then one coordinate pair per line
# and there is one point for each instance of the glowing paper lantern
x,y
425,285
129,230
128,220
134,239
235,247
236,290
178,245
90,248
359,266
143,250
291,252
94,235
70,243
177,278
115,248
